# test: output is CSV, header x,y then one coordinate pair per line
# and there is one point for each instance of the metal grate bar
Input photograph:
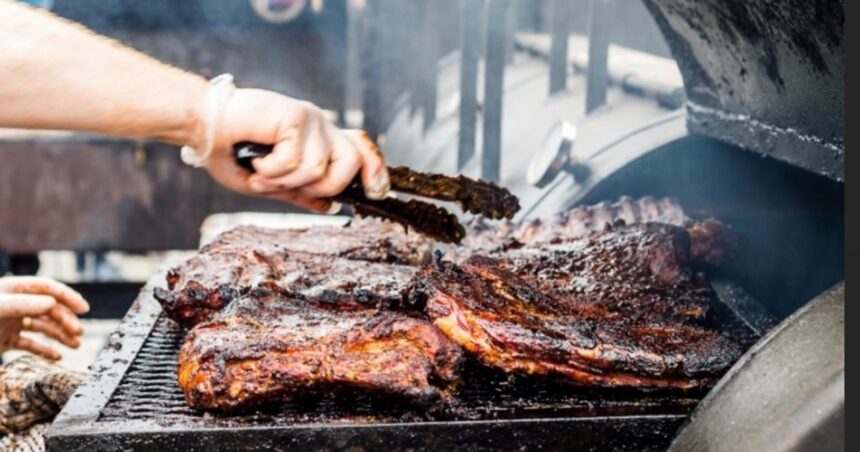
x,y
149,391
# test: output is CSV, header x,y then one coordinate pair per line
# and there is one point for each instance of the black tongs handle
x,y
473,196
425,218
245,152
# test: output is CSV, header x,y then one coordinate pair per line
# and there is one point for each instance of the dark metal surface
x,y
130,400
494,84
599,38
90,193
795,375
108,300
472,23
24,264
215,37
745,307
766,75
791,221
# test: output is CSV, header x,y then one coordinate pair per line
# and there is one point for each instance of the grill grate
x,y
149,390
131,401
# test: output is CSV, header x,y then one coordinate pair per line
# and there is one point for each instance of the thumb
x,y
21,305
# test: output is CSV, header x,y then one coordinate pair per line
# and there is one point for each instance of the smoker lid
x,y
766,75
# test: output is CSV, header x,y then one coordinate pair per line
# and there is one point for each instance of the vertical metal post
x,y
429,58
352,87
494,83
371,67
416,18
510,27
599,36
546,7
561,19
470,37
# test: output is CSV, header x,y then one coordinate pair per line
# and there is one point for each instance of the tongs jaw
x,y
473,196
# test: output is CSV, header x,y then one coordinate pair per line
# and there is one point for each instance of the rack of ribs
x,y
712,242
616,308
284,312
267,347
364,262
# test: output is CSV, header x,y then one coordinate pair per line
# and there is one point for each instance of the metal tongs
x,y
474,196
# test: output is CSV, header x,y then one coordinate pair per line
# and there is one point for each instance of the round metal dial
x,y
553,156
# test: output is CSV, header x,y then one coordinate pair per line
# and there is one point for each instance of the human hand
x,y
41,305
312,159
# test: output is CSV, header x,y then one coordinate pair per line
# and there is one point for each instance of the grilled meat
x,y
338,264
473,196
583,297
267,347
639,272
617,308
424,218
712,241
360,239
196,292
577,222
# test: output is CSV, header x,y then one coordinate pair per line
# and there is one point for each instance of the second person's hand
x,y
40,305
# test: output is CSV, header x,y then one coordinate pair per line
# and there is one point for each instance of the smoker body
x,y
758,143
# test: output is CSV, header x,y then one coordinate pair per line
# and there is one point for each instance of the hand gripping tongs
x,y
474,196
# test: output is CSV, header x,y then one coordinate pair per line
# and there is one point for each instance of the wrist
x,y
194,132
207,120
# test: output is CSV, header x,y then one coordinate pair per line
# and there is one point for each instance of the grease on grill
x,y
149,391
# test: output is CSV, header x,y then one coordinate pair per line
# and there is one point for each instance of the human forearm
x,y
57,75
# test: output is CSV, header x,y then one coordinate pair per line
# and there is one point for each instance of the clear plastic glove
x,y
312,159
41,305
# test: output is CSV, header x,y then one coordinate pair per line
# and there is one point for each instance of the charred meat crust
x,y
474,196
712,242
619,308
427,219
267,347
362,263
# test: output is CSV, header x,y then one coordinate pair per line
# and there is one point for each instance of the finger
x,y
47,326
318,205
315,160
45,286
27,344
66,319
374,174
341,172
21,305
262,185
285,156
